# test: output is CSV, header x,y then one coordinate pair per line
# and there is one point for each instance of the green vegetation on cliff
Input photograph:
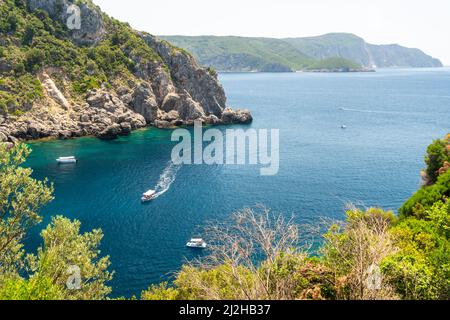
x,y
32,40
255,54
70,71
436,180
354,48
243,54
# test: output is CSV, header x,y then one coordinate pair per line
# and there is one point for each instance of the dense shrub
x,y
423,199
34,60
37,288
421,268
86,84
19,92
438,153
28,36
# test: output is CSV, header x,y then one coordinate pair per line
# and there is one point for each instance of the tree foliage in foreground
x,y
21,198
436,177
64,248
437,159
43,276
37,288
421,268
256,255
354,251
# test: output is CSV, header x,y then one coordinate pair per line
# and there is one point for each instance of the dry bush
x,y
355,249
255,256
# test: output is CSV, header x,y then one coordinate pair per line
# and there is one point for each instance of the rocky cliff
x,y
354,48
100,78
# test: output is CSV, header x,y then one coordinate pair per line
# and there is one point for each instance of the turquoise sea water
x,y
391,117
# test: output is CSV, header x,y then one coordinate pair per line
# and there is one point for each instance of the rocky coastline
x,y
107,115
166,92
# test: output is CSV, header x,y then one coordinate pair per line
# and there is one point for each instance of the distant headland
x,y
334,52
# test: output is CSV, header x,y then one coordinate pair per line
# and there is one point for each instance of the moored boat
x,y
67,160
197,243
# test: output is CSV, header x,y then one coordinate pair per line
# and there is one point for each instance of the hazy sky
x,y
423,24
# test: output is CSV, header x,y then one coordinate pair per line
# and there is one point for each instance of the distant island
x,y
334,52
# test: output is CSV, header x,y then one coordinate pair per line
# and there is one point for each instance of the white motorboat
x,y
67,160
148,196
197,243
343,126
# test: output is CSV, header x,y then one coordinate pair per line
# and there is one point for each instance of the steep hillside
x,y
242,54
354,48
345,46
266,54
393,55
100,77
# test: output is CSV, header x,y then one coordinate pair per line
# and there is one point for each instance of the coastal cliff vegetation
x,y
100,78
238,54
258,254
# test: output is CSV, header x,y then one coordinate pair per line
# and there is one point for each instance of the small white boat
x,y
197,243
66,160
148,196
343,127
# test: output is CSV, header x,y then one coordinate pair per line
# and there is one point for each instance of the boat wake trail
x,y
371,111
166,179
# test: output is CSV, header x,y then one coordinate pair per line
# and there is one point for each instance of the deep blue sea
x,y
391,117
